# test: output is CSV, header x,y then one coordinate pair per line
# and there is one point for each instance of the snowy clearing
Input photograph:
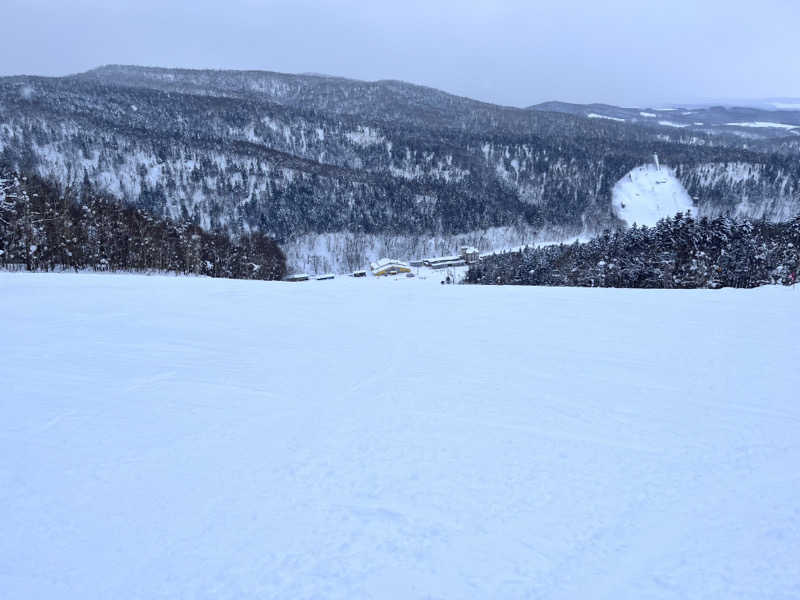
x,y
168,437
647,194
596,116
764,124
672,124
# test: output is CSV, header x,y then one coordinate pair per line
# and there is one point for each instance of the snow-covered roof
x,y
449,263
442,259
388,262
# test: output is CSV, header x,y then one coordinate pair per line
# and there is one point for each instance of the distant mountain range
x,y
342,171
771,119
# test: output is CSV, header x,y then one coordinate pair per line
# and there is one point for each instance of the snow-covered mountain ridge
x,y
304,156
758,121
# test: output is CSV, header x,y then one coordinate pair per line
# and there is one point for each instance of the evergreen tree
x,y
42,228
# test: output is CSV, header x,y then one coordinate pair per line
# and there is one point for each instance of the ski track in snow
x,y
168,437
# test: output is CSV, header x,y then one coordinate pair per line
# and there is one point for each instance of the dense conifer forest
x,y
304,158
43,228
681,252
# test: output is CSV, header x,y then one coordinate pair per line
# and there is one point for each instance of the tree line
x,y
43,228
197,149
679,252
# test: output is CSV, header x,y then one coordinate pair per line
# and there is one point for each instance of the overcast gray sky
x,y
517,52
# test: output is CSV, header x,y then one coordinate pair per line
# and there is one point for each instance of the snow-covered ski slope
x,y
169,437
647,194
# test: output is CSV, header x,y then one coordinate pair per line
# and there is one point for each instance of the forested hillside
x,y
45,229
681,252
339,171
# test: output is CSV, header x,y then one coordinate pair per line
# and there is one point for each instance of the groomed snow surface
x,y
649,193
167,437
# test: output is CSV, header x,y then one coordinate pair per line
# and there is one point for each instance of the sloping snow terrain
x,y
168,437
649,193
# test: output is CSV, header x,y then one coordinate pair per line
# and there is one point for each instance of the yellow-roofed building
x,y
389,266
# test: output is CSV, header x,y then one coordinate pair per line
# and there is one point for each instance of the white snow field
x,y
647,194
170,437
764,124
